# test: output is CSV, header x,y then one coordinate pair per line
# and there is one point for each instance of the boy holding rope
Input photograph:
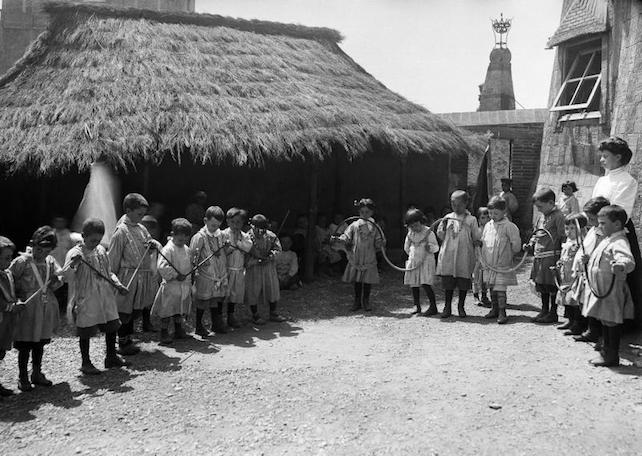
x,y
610,262
500,242
130,259
92,302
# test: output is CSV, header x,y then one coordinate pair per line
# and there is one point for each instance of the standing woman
x,y
621,189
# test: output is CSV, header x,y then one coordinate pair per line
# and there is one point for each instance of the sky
x,y
433,52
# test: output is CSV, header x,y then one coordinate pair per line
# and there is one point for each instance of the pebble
x,y
495,406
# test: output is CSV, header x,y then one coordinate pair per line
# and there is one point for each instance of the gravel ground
x,y
331,382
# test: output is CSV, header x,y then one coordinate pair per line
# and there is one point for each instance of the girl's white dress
x,y
174,297
420,247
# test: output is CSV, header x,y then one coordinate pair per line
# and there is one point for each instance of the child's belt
x,y
548,254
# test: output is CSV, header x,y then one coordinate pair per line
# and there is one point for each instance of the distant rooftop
x,y
506,117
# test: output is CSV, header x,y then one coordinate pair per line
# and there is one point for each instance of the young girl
x,y
9,304
565,274
261,279
239,245
36,278
362,240
610,261
210,281
420,245
92,300
546,244
129,256
500,242
479,287
593,237
174,296
459,233
568,204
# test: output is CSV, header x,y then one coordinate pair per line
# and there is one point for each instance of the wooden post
x,y
312,222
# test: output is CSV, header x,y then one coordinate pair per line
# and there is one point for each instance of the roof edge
x,y
56,8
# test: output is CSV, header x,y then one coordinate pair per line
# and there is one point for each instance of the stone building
x,y
22,21
596,92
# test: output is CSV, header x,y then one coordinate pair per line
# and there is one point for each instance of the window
x,y
580,90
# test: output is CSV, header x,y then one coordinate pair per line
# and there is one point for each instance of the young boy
x,y
211,278
9,304
500,241
92,302
610,261
287,265
130,259
174,297
479,287
261,280
459,233
546,244
239,244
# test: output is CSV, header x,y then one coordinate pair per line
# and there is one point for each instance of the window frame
x,y
596,52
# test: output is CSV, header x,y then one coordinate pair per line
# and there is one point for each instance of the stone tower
x,y
496,93
23,20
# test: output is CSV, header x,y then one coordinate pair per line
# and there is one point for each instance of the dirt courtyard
x,y
336,383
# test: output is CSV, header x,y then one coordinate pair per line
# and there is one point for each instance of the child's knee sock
x,y
461,301
545,300
273,307
448,299
215,314
230,308
415,298
110,343
36,357
358,291
165,323
219,308
23,363
553,299
254,309
366,290
431,295
199,316
84,350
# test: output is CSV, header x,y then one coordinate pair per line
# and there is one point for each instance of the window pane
x,y
596,65
580,66
567,93
586,87
595,102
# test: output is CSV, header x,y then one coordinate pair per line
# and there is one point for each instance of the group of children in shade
x,y
109,289
581,261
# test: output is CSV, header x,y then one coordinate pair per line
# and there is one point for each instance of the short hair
x,y
45,237
614,213
497,202
150,220
234,212
6,243
133,201
214,212
569,184
580,218
181,226
544,195
414,216
594,205
460,194
93,226
366,202
482,210
259,221
617,146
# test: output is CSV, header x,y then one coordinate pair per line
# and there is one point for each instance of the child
x,y
611,260
128,250
174,297
621,189
420,245
564,268
512,205
261,280
479,287
287,265
500,242
568,204
9,304
210,281
362,240
239,245
92,302
592,326
546,243
459,233
36,278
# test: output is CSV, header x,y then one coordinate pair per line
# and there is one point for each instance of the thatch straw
x,y
125,85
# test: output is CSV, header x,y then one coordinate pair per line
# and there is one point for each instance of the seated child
x,y
611,260
9,304
261,279
36,279
92,302
565,273
500,242
210,281
479,287
327,257
420,245
174,296
287,265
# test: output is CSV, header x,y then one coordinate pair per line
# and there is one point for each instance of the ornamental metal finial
x,y
501,27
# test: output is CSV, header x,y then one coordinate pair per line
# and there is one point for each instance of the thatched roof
x,y
127,85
